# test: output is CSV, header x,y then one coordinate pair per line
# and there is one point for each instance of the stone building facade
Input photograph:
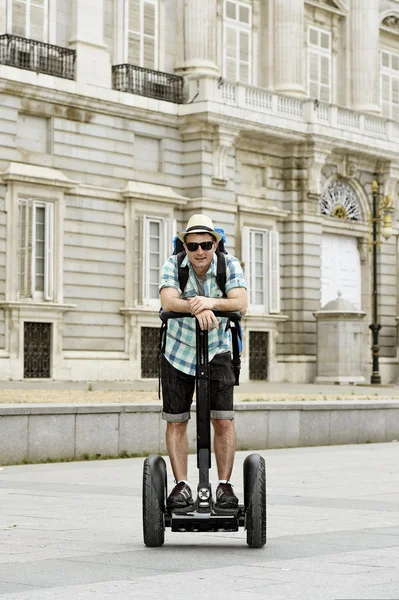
x,y
119,119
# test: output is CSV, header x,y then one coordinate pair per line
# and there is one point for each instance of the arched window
x,y
340,201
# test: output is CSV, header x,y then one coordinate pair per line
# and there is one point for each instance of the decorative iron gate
x,y
149,352
37,350
258,354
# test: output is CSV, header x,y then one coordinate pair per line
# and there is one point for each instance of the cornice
x,y
340,10
153,192
91,103
33,174
37,307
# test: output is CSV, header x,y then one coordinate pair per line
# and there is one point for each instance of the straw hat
x,y
199,224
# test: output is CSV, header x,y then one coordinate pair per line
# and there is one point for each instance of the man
x,y
201,296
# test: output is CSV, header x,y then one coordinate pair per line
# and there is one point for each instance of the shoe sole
x,y
181,510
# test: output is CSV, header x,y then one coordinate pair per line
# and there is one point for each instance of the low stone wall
x,y
34,433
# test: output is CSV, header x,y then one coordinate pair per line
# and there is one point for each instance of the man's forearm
x,y
230,305
176,305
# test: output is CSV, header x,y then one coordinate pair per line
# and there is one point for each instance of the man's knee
x,y
176,428
223,426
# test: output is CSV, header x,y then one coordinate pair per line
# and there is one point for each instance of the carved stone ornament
x,y
392,22
339,201
224,140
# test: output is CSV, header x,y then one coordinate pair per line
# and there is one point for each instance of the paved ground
x,y
72,531
20,392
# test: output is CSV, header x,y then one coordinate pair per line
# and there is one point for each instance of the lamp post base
x,y
375,378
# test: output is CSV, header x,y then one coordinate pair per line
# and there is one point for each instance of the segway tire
x,y
153,510
255,500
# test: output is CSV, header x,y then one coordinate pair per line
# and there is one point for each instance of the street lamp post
x,y
382,209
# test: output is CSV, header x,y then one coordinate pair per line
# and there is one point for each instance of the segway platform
x,y
204,516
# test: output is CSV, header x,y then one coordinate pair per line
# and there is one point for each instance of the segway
x,y
203,517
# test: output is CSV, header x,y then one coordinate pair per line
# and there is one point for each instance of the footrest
x,y
204,522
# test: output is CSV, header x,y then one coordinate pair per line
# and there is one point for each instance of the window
x,y
261,257
153,246
29,18
35,249
390,85
141,33
237,33
319,64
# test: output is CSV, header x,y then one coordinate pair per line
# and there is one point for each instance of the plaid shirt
x,y
180,348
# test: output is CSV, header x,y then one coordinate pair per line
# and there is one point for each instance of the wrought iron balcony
x,y
145,82
37,56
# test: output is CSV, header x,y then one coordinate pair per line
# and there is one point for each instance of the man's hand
x,y
207,319
201,307
200,303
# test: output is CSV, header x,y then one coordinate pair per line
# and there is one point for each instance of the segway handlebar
x,y
233,316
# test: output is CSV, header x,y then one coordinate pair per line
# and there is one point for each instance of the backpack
x,y
183,275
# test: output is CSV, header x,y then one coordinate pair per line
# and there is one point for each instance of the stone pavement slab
x,y
72,531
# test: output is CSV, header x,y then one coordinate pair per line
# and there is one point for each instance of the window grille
x,y
37,350
258,354
149,352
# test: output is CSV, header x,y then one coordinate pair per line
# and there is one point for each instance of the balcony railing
x,y
37,56
307,111
145,82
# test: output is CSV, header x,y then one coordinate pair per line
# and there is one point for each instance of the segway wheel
x,y
255,500
154,494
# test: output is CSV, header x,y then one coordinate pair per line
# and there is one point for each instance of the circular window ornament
x,y
340,202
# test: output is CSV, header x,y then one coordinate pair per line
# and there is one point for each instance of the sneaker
x,y
180,497
225,497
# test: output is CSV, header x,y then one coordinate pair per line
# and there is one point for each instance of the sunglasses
x,y
193,246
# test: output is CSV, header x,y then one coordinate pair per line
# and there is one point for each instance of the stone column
x,y
200,37
93,65
289,47
364,23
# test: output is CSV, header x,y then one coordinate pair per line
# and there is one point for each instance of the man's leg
x,y
224,446
177,445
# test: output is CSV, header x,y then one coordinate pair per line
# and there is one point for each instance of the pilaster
x,y
93,65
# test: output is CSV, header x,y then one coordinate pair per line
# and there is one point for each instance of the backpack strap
x,y
221,272
182,272
236,342
161,350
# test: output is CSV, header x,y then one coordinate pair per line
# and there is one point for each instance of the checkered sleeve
x,y
169,277
234,274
